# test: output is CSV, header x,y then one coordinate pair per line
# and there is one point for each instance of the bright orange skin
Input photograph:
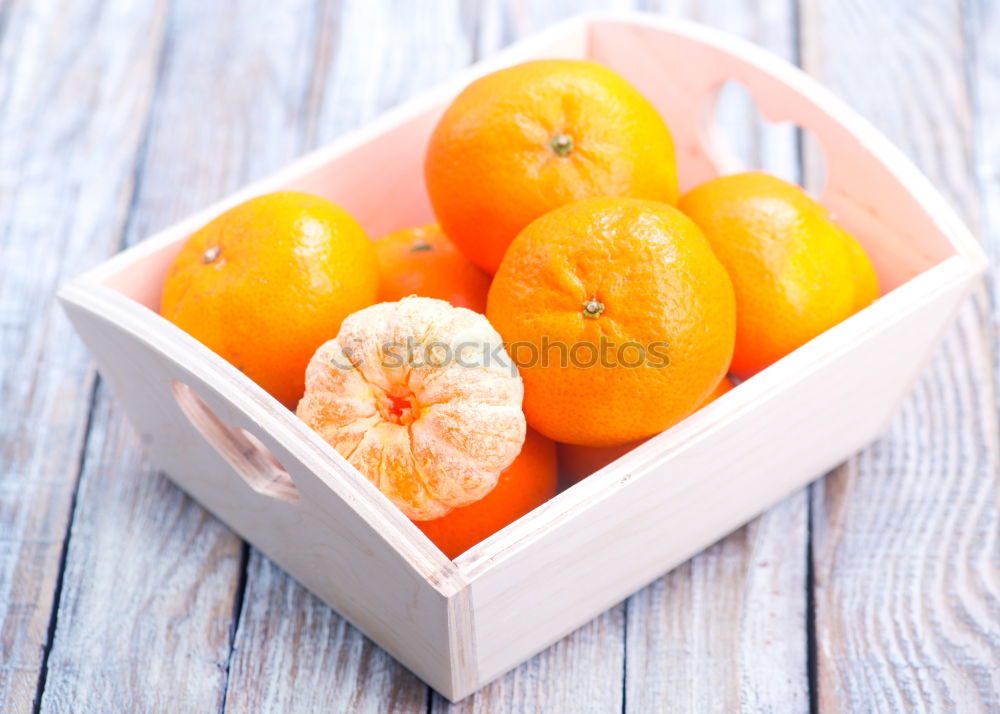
x,y
523,486
796,273
578,462
659,285
491,166
268,282
866,290
422,261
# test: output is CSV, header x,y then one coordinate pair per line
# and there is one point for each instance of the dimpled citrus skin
x,y
659,285
422,261
866,288
795,272
432,432
268,282
492,168
523,486
577,462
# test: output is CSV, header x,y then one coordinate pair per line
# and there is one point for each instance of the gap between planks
x,y
60,215
906,554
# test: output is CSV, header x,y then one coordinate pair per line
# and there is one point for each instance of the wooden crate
x,y
460,624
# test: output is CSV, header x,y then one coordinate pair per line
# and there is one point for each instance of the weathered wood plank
x,y
982,37
731,576
235,81
727,630
499,23
361,83
74,92
145,616
906,552
292,653
152,582
374,55
583,672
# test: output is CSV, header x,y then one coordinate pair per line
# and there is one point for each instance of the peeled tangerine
x,y
422,399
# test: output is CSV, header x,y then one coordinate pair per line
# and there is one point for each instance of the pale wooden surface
x,y
880,590
594,546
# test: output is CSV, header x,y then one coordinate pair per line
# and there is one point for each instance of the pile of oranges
x,y
621,305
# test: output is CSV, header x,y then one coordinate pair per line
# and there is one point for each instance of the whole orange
x,y
422,261
269,281
577,462
796,273
521,141
524,485
724,386
866,290
618,314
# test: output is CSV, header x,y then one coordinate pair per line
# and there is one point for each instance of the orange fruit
x,y
421,398
866,288
725,385
618,314
268,281
521,141
422,261
523,486
796,273
577,462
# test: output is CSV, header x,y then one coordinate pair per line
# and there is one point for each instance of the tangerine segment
x,y
422,399
796,273
523,486
268,281
619,315
527,139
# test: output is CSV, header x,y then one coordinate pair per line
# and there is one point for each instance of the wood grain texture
x,y
982,39
585,671
581,673
726,631
682,498
145,617
231,77
74,93
906,552
294,654
316,660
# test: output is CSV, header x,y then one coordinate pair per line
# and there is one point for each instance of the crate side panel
x,y
904,226
320,539
659,513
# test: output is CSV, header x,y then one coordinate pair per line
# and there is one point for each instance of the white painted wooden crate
x,y
460,624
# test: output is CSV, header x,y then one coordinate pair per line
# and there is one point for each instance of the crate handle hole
x,y
739,137
253,461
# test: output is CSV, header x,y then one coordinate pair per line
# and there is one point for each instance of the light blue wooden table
x,y
878,589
